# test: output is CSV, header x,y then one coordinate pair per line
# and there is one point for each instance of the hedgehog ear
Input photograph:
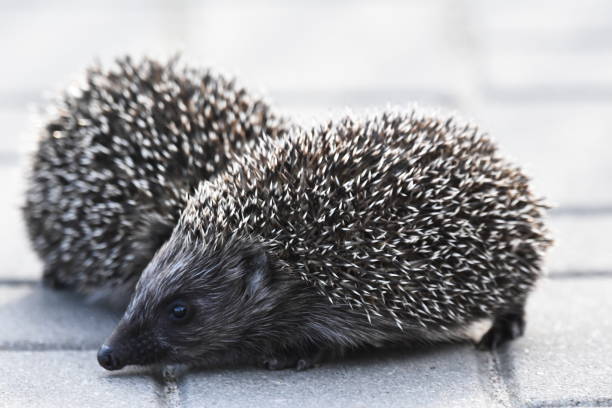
x,y
257,269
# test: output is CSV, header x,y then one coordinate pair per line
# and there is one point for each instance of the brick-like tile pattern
x,y
18,259
566,354
441,377
38,318
70,379
582,246
535,75
562,146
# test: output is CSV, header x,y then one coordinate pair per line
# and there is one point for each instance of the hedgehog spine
x,y
117,160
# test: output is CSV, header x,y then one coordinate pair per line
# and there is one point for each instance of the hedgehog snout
x,y
127,346
109,358
114,352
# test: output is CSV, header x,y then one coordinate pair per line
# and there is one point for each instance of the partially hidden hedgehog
x,y
117,159
384,230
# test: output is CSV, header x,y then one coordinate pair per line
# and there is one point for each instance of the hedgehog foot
x,y
51,280
279,362
506,327
293,361
311,361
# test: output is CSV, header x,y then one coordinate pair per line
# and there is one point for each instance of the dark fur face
x,y
191,304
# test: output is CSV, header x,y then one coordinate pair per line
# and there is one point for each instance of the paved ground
x,y
536,74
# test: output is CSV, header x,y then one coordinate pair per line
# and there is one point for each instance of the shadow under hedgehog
x,y
117,159
373,231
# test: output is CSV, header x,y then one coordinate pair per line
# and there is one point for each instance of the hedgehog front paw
x,y
279,362
506,327
51,279
305,363
299,362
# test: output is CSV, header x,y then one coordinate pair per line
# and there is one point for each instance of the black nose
x,y
108,359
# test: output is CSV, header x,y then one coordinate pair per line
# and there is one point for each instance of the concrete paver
x,y
18,259
582,245
523,45
566,354
392,57
67,39
440,377
535,75
560,17
70,379
506,71
273,48
19,130
565,157
38,318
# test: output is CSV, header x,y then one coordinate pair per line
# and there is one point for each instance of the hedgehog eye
x,y
179,311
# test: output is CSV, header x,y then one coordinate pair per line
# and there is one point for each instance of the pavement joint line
x,y
539,94
571,93
19,282
496,385
38,347
356,95
10,158
577,274
168,387
580,211
557,274
505,368
572,402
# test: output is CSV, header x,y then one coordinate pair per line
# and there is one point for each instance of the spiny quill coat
x,y
118,158
361,232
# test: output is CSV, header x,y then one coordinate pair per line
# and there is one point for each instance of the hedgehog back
x,y
406,217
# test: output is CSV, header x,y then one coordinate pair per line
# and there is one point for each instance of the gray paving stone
x,y
362,47
330,46
582,245
69,379
18,131
18,260
447,376
565,147
545,25
548,71
314,57
566,353
543,15
66,39
33,317
547,45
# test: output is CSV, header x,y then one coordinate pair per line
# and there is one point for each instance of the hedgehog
x,y
389,229
118,157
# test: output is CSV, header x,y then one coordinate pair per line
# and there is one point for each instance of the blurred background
x,y
536,75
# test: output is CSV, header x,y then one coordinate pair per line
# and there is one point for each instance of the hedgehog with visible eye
x,y
117,159
386,230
